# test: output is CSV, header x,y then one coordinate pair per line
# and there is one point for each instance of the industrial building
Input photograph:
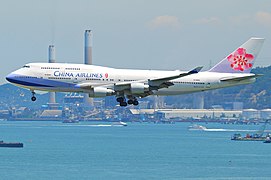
x,y
189,113
197,114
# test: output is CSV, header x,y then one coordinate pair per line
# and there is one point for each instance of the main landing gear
x,y
133,101
33,98
123,102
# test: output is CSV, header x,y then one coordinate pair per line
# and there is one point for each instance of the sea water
x,y
53,150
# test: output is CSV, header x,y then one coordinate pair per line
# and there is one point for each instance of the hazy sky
x,y
142,34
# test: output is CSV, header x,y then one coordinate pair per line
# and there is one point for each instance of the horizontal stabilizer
x,y
241,78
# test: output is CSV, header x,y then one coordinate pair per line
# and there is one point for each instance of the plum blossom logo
x,y
106,75
240,60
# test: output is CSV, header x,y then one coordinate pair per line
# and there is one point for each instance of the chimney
x,y
88,60
52,59
88,47
52,55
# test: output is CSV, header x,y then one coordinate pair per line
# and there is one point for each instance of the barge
x,y
255,137
11,144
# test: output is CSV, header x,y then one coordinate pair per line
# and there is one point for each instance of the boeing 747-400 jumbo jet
x,y
129,84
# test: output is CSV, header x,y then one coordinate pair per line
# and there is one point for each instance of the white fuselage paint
x,y
73,74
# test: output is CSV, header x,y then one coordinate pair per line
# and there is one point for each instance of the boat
x,y
248,137
197,127
267,140
254,137
70,121
11,144
120,123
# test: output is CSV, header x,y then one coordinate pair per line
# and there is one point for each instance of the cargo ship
x,y
11,144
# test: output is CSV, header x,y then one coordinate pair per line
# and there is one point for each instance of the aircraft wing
x,y
140,88
159,81
151,84
240,78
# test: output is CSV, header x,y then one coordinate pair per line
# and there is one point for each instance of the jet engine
x,y
138,88
100,92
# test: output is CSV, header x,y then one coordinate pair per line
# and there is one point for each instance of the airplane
x,y
127,85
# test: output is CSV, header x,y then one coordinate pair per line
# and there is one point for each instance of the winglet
x,y
196,70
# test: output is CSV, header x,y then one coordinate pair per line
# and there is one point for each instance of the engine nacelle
x,y
138,88
100,92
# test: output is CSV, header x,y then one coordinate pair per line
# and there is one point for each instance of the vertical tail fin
x,y
242,59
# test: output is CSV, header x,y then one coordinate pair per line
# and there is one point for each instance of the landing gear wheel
x,y
120,99
123,103
33,98
135,103
130,101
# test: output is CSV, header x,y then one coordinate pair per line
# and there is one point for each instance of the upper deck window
x,y
25,66
72,68
49,67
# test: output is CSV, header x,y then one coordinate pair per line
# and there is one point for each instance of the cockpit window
x,y
25,66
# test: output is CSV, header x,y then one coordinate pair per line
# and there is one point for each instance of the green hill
x,y
256,95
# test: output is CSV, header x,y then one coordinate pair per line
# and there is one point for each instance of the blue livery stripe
x,y
37,82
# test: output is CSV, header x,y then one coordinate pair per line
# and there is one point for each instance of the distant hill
x,y
256,95
11,95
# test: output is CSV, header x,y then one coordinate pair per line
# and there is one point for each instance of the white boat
x,y
267,140
120,123
197,127
70,121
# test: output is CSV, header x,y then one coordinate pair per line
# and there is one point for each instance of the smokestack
x,y
52,55
88,47
88,60
52,59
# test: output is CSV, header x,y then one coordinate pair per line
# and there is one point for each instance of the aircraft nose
x,y
10,77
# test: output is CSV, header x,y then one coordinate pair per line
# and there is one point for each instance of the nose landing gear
x,y
33,98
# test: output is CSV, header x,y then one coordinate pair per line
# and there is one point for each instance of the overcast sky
x,y
141,34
